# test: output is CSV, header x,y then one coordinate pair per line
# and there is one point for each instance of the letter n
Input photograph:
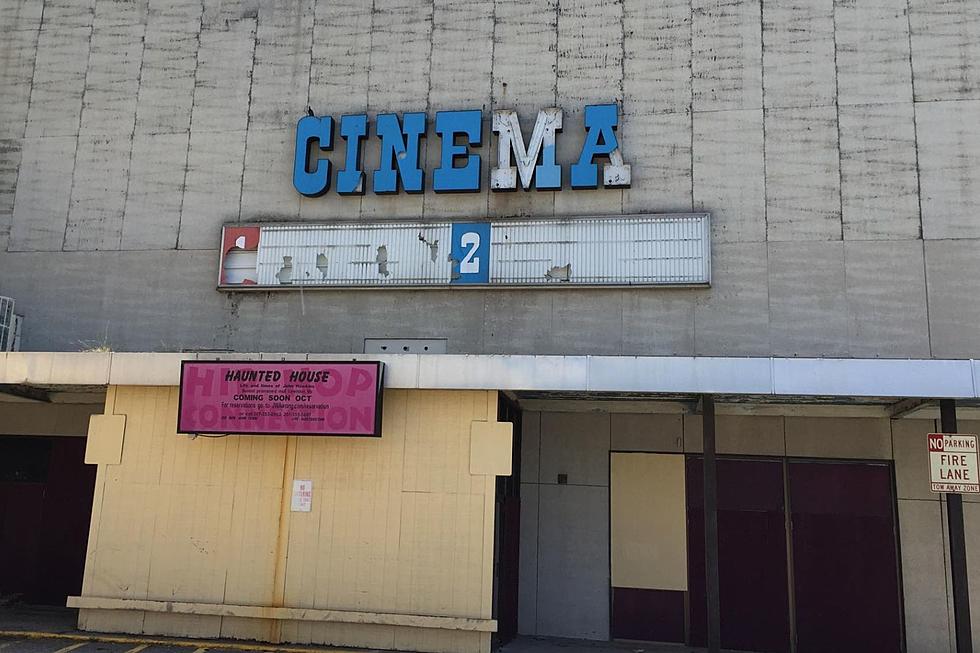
x,y
399,146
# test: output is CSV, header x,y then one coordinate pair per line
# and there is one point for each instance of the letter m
x,y
510,141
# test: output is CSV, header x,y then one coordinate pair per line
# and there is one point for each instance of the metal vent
x,y
9,326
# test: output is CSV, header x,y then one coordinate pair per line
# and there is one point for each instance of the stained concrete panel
x,y
727,55
393,314
143,301
729,174
646,432
873,51
69,13
341,46
832,437
223,82
59,81
267,184
16,72
43,194
886,301
923,577
912,458
9,165
577,445
112,80
170,50
20,15
525,57
156,183
953,278
584,315
802,174
98,197
879,179
115,298
949,168
798,53
807,299
660,31
573,562
945,49
530,446
732,317
280,84
738,434
658,322
250,327
218,13
527,597
213,187
518,323
462,55
402,33
658,147
330,206
81,283
590,52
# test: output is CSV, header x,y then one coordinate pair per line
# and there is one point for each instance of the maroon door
x,y
45,506
754,587
845,567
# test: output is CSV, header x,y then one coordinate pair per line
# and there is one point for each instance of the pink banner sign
x,y
280,398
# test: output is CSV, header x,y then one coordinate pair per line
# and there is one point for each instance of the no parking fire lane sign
x,y
953,463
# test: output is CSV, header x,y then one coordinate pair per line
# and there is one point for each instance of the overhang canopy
x,y
786,377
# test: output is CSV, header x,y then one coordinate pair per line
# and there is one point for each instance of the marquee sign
x,y
630,250
280,398
528,164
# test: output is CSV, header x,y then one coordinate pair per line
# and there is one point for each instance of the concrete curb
x,y
187,643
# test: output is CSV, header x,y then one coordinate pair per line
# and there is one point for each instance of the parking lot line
x,y
70,647
212,647
137,649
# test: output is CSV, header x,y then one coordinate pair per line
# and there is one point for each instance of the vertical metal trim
x,y
957,546
711,524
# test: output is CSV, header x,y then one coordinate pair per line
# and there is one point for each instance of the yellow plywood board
x,y
491,448
399,524
648,521
104,445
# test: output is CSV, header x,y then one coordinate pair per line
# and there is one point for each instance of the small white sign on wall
x,y
302,496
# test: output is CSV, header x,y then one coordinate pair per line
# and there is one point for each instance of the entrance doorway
x,y
804,546
507,534
45,507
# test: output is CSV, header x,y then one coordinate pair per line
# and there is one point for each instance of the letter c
x,y
312,183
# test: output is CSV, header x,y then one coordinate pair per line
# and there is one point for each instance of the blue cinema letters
x,y
521,163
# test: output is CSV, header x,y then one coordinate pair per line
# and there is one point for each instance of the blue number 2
x,y
471,252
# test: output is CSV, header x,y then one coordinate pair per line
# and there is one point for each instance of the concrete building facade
x,y
835,145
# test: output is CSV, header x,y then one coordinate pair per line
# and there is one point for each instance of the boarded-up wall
x,y
399,526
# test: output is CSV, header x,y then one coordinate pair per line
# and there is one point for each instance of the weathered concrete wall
x,y
837,144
